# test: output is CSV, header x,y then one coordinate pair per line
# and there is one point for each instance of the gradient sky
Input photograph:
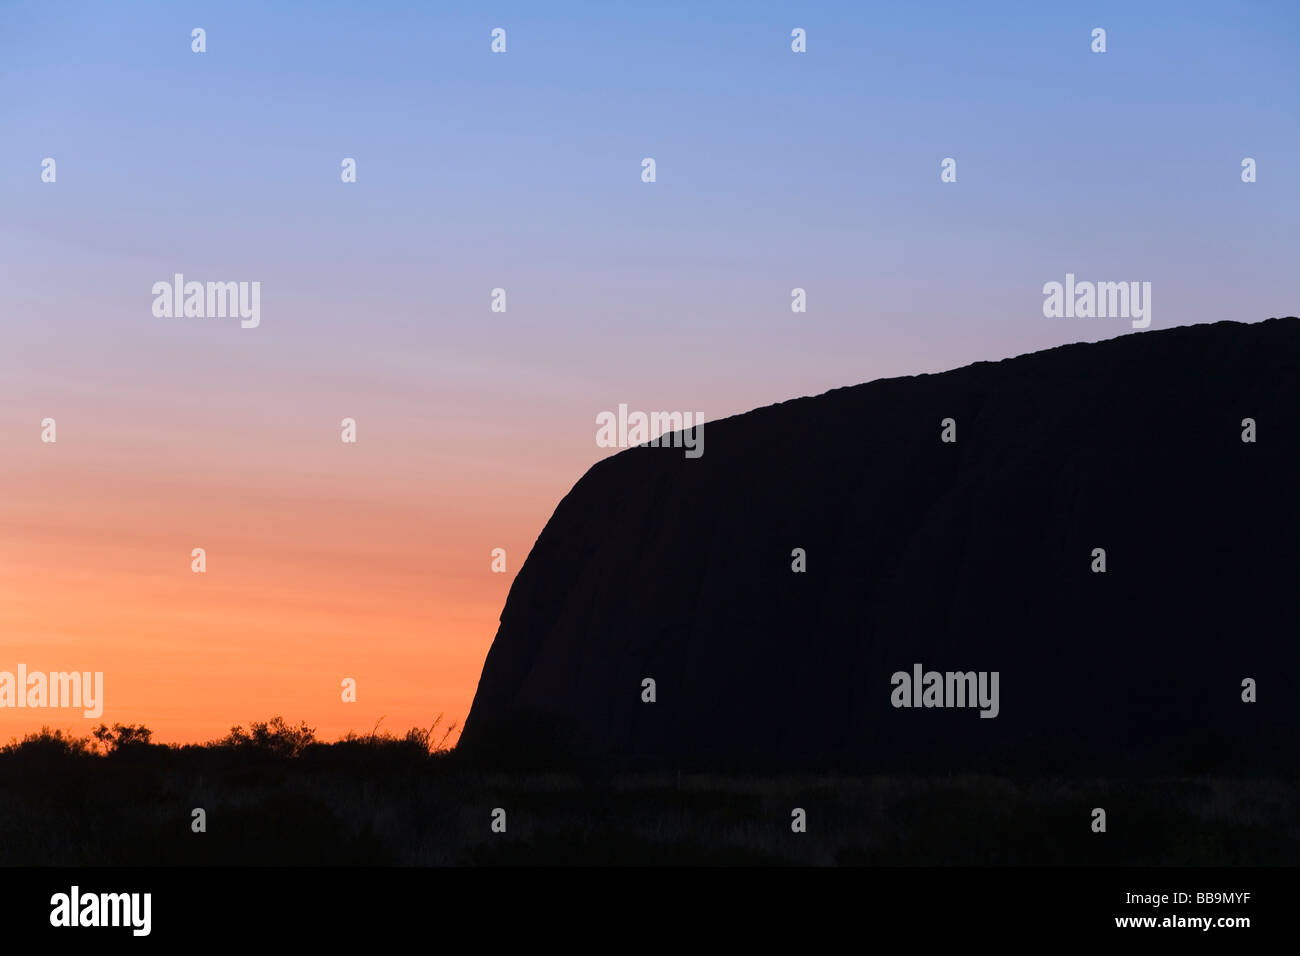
x,y
522,171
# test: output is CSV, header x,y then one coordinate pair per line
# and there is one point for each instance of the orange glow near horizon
x,y
325,560
281,616
321,565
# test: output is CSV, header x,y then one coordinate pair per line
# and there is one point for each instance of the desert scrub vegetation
x,y
274,794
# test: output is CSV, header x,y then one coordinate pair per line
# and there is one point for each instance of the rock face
x,y
973,555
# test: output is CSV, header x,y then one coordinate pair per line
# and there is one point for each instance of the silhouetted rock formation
x,y
966,556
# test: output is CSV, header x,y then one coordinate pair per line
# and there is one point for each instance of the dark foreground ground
x,y
283,799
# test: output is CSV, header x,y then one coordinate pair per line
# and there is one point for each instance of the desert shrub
x,y
50,743
122,737
273,737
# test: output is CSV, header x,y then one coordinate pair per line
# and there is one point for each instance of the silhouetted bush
x,y
49,743
272,737
123,736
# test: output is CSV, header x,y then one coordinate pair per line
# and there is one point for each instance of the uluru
x,y
1105,534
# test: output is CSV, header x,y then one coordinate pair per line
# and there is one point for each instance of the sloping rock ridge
x,y
971,557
